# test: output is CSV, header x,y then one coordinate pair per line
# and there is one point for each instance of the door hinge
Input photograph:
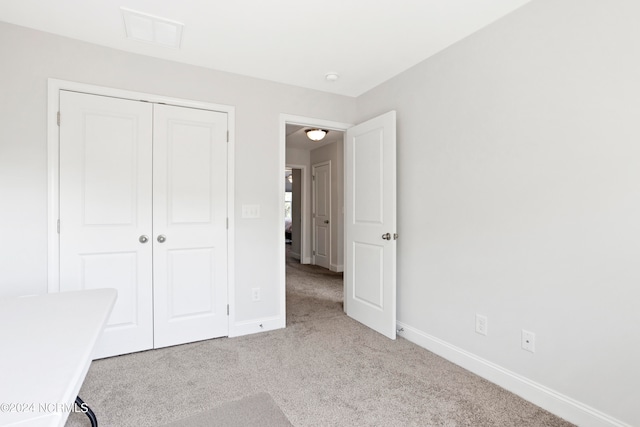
x,y
58,226
227,136
58,118
313,177
314,253
227,309
227,223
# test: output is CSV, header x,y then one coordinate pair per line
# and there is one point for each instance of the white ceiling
x,y
290,41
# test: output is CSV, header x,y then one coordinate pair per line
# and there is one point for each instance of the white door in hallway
x,y
189,225
105,211
370,223
321,174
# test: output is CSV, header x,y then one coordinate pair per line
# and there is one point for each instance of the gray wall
x,y
519,196
30,57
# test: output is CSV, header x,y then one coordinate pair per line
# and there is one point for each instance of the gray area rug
x,y
258,410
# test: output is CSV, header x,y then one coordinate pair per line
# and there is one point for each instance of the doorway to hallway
x,y
313,216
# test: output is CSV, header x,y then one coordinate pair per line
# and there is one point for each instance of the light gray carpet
x,y
258,410
324,369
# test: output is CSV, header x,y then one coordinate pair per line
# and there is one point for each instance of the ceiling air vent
x,y
152,29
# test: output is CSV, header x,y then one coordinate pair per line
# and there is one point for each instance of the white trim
x,y
53,146
313,211
53,208
538,394
338,268
303,211
253,326
306,260
302,121
310,121
231,203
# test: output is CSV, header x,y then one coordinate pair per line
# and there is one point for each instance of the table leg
x,y
89,413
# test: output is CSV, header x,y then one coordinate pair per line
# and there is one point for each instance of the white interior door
x,y
105,209
322,214
190,231
370,223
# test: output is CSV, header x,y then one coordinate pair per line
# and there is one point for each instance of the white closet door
x,y
105,208
190,232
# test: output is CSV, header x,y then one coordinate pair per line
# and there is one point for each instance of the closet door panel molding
x,y
105,205
190,189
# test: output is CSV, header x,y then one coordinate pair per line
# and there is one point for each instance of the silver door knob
x,y
162,238
386,236
326,221
143,239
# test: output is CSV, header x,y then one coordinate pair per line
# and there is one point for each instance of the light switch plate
x,y
250,211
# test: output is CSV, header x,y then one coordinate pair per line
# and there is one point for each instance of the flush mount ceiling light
x,y
152,29
316,134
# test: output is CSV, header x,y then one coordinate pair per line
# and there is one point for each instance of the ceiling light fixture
x,y
316,134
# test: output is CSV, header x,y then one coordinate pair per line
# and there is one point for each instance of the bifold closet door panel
x,y
105,210
190,225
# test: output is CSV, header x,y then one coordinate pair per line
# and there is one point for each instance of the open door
x,y
370,223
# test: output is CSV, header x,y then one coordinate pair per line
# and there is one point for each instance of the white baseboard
x,y
294,255
554,402
338,268
306,260
255,326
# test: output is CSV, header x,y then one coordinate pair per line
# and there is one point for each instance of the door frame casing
x,y
301,121
53,170
303,210
314,194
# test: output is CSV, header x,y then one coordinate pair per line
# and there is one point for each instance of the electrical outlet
x,y
528,341
482,324
255,294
